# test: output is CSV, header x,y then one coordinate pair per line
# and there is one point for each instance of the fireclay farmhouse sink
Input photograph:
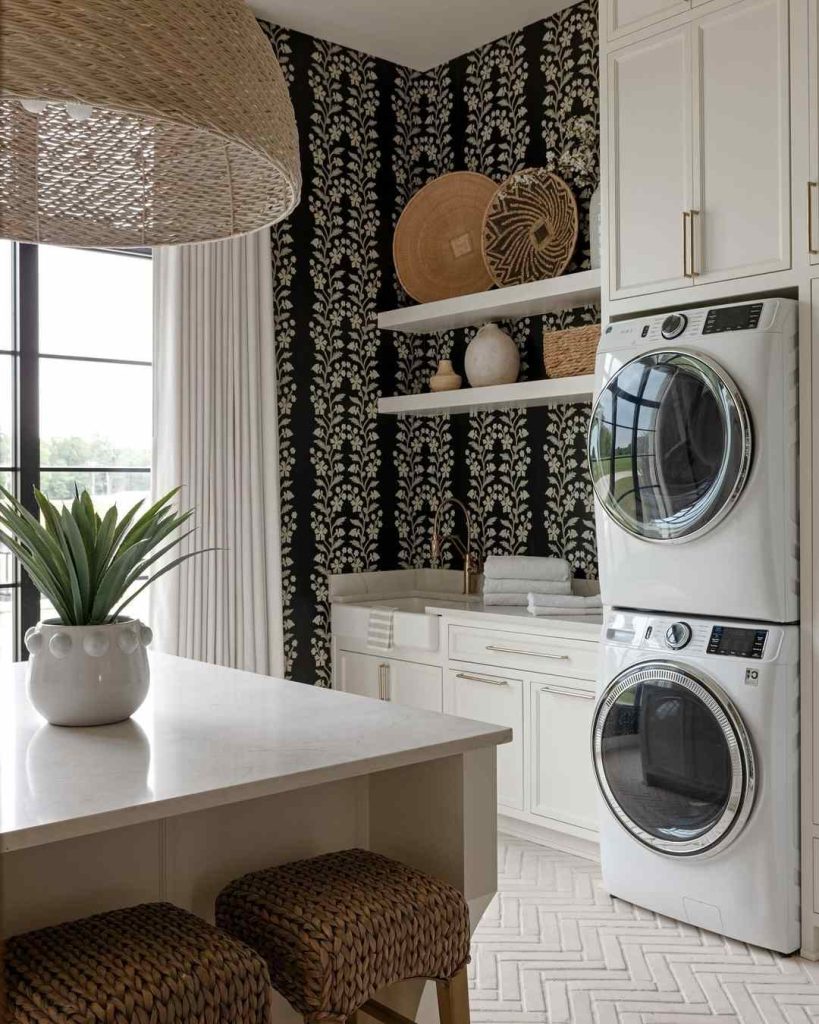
x,y
413,625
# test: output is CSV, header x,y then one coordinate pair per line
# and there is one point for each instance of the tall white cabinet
x,y
697,149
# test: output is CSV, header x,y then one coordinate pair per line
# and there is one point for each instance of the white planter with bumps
x,y
88,675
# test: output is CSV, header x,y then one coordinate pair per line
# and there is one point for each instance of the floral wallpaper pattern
x,y
360,492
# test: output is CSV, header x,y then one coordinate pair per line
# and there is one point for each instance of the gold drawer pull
x,y
811,186
568,692
685,216
383,681
481,679
499,649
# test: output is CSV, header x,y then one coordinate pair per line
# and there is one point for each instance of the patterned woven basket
x,y
571,352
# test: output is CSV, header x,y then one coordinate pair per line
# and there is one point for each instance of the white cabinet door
x,y
360,673
563,784
626,16
415,685
812,198
741,141
650,163
488,696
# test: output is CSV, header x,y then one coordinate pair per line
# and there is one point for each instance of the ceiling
x,y
417,33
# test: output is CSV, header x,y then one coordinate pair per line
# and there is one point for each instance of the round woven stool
x,y
334,929
152,964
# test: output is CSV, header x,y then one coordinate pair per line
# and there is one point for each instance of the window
x,y
75,393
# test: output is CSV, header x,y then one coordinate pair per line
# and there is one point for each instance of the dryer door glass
x,y
672,759
669,445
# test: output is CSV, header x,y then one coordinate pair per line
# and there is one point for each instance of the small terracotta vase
x,y
445,378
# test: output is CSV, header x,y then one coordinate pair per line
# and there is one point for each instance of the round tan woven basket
x,y
437,242
571,352
530,228
141,122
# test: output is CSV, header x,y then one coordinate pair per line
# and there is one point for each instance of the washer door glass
x,y
672,759
669,445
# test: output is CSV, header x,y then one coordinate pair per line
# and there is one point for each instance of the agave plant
x,y
86,564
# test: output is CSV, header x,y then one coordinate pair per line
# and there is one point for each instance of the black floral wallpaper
x,y
359,491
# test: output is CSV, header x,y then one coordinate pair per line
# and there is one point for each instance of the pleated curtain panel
x,y
216,433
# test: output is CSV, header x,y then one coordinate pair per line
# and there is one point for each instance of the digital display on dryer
x,y
732,318
736,642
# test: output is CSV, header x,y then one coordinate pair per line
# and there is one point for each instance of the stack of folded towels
x,y
543,585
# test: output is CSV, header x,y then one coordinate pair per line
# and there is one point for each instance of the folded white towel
x,y
520,599
379,628
559,601
526,567
493,586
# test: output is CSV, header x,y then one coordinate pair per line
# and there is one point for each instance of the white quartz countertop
x,y
205,737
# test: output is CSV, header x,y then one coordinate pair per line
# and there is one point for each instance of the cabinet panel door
x,y
812,202
630,15
487,696
649,157
415,686
741,141
563,784
360,673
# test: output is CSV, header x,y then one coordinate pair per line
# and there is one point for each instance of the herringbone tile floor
x,y
553,947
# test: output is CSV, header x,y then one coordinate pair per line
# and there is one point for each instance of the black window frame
x,y
26,467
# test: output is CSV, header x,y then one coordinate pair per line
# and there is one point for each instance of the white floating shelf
x,y
500,396
517,300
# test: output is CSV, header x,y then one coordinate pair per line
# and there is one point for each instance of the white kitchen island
x,y
222,772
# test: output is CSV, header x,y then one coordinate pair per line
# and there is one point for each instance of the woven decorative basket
x,y
530,228
571,352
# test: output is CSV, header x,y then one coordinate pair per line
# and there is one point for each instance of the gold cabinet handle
x,y
685,216
499,649
692,247
811,249
481,679
566,691
383,681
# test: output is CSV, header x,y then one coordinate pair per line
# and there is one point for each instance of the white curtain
x,y
215,433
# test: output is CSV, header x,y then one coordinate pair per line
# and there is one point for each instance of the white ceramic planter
x,y
87,675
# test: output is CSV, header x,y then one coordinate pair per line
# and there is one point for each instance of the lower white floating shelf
x,y
501,396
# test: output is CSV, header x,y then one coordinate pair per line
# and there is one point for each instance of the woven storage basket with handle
x,y
571,352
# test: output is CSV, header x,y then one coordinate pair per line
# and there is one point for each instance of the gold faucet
x,y
471,564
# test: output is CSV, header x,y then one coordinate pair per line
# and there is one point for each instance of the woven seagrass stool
x,y
334,929
152,964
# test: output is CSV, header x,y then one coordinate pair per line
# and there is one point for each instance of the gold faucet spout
x,y
471,565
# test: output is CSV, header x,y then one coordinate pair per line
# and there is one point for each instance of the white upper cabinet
x,y
626,16
698,151
812,197
650,162
741,141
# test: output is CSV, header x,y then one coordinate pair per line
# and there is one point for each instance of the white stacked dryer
x,y
694,460
693,455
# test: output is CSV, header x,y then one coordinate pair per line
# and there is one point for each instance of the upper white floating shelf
x,y
499,396
555,293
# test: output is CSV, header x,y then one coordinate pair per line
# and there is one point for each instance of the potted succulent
x,y
88,666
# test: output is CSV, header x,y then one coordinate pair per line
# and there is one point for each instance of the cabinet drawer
x,y
524,651
498,699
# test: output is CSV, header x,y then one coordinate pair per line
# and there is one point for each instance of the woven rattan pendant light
x,y
141,122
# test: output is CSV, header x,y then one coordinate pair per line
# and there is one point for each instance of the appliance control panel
x,y
690,636
694,324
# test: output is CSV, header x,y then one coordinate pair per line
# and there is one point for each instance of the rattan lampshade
x,y
143,122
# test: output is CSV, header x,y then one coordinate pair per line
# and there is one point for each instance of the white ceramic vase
x,y
87,675
492,357
595,228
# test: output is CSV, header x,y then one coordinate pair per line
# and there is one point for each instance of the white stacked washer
x,y
696,752
693,455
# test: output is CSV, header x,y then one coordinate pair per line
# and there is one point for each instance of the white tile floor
x,y
553,947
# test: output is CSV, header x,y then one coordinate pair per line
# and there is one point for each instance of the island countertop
x,y
206,736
